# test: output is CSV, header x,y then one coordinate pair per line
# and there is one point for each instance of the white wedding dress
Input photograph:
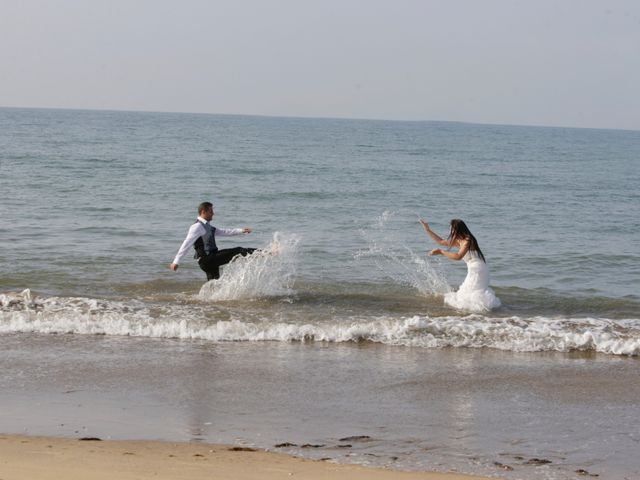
x,y
474,294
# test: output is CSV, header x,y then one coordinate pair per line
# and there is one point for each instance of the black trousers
x,y
212,262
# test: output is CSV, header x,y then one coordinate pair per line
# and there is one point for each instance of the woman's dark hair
x,y
460,231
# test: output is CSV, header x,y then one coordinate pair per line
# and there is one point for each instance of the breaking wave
x,y
21,312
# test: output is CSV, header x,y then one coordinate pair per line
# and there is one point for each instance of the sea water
x,y
94,205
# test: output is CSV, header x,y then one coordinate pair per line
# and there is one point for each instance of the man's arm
x,y
196,230
230,232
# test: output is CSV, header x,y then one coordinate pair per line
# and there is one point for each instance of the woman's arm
x,y
464,248
433,235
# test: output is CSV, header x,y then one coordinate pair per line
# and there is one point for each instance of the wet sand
x,y
46,458
475,411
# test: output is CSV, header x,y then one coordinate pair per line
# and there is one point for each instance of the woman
x,y
474,294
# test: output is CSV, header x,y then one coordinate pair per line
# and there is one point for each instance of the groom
x,y
202,236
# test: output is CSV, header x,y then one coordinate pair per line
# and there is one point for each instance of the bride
x,y
474,294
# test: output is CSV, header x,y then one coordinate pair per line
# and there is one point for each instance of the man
x,y
202,236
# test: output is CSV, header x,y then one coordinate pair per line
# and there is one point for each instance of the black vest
x,y
206,244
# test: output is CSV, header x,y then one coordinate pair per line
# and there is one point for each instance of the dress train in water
x,y
474,294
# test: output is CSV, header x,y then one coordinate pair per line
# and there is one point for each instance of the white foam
x,y
268,273
22,313
10,299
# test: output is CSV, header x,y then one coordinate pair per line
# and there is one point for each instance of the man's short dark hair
x,y
204,206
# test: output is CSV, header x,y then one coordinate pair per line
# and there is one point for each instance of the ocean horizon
x,y
299,117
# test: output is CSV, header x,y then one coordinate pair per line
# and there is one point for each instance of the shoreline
x,y
44,458
480,412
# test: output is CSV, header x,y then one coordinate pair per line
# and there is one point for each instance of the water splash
x,y
268,273
400,262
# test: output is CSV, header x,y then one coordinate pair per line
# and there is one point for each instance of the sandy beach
x,y
43,458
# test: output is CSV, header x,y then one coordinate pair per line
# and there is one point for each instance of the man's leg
x,y
211,264
210,268
213,274
222,257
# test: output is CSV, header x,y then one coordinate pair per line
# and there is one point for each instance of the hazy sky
x,y
531,62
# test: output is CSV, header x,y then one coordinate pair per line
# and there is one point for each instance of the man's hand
x,y
174,266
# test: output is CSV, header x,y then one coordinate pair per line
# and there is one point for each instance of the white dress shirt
x,y
197,230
